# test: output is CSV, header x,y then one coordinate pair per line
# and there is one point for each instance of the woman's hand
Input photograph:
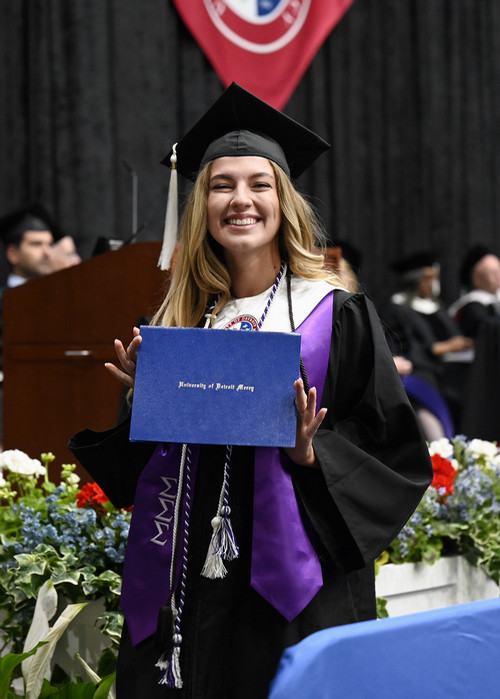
x,y
127,358
308,424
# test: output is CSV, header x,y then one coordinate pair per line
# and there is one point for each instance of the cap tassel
x,y
171,216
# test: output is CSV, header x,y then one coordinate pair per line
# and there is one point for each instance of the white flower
x,y
443,447
478,448
17,461
3,482
73,479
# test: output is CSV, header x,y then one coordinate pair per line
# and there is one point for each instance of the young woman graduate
x,y
300,527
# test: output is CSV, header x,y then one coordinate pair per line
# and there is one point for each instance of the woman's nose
x,y
241,196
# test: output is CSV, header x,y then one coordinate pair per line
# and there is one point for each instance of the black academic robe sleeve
x,y
374,460
482,395
472,316
113,460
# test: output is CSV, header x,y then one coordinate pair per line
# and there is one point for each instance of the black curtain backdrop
x,y
407,91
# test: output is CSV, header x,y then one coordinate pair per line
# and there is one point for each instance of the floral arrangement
x,y
73,538
459,512
65,534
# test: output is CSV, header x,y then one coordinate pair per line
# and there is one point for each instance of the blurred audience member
x,y
478,313
28,237
343,258
480,278
422,333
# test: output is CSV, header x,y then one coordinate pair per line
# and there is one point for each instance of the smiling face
x,y
243,207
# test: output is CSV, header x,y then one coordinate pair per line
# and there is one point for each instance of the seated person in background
x,y
480,277
478,313
343,258
424,334
64,253
28,237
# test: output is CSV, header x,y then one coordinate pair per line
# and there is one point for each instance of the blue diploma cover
x,y
215,387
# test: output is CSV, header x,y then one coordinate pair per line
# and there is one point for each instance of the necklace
x,y
273,293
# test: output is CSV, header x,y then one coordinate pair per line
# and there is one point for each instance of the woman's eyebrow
x,y
253,176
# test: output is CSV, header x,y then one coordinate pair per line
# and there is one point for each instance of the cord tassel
x,y
171,216
223,546
172,675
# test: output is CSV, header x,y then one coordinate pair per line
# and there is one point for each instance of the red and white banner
x,y
264,45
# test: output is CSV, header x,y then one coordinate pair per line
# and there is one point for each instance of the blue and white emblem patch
x,y
259,26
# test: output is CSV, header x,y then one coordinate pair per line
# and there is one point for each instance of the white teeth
x,y
241,221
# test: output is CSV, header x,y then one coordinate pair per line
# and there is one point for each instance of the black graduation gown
x,y
482,395
412,334
473,315
374,469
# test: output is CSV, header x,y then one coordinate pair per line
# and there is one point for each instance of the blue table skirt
x,y
452,652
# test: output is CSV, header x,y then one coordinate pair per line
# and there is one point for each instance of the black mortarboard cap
x,y
30,218
474,254
239,123
417,260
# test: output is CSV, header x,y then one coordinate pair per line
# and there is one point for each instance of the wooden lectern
x,y
57,333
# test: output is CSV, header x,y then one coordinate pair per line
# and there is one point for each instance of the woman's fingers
x,y
308,424
127,358
300,396
306,408
120,375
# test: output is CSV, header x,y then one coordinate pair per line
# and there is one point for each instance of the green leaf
x,y
30,564
71,690
7,665
107,662
382,612
103,690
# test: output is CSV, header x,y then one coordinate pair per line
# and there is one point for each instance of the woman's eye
x,y
262,185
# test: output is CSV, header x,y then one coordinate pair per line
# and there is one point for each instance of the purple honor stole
x,y
285,568
146,571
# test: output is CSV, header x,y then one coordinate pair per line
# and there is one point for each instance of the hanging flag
x,y
263,45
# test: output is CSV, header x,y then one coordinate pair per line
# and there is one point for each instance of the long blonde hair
x,y
200,274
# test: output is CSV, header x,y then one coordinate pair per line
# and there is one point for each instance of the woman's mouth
x,y
250,220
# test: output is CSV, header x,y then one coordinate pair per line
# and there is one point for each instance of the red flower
x,y
444,473
90,494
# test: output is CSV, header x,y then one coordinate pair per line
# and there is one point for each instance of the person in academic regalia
x,y
27,235
480,279
477,312
345,260
422,332
265,546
